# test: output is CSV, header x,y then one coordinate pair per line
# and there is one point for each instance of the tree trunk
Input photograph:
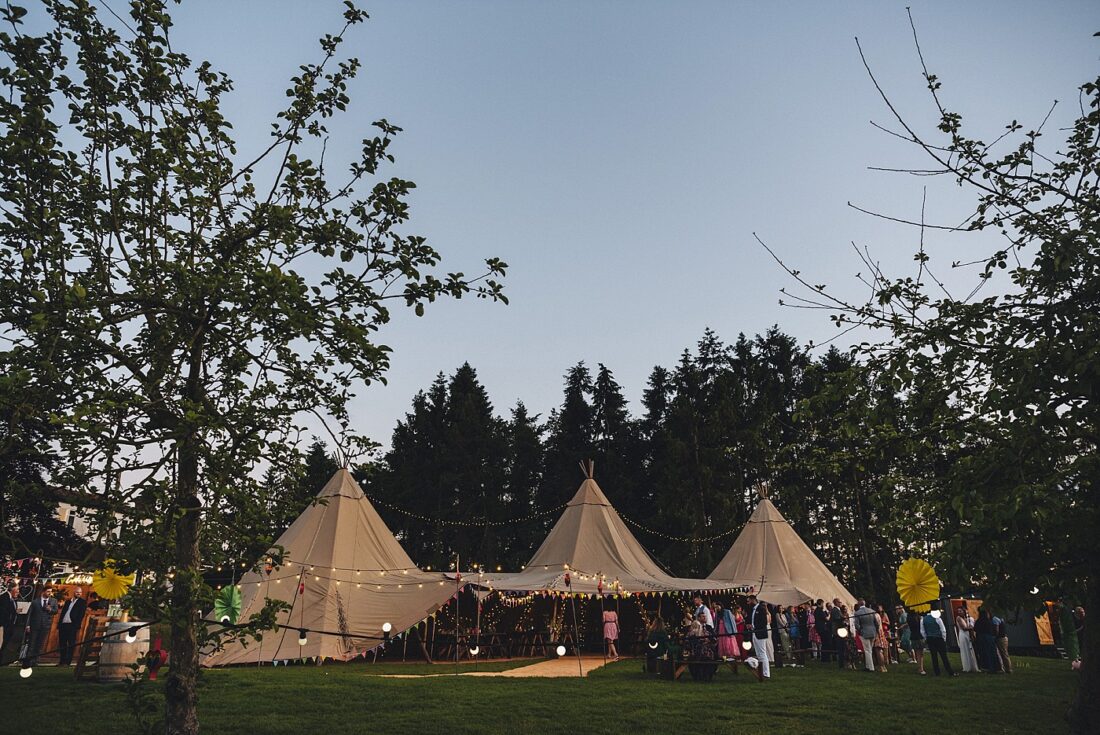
x,y
1085,712
181,686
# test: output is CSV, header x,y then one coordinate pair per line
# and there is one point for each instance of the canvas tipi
x,y
770,557
343,573
591,543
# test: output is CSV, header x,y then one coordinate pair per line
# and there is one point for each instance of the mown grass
x,y
338,699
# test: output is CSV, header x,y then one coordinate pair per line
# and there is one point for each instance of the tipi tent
x,y
343,573
769,556
592,545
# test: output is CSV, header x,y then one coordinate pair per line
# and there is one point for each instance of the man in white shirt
x,y
701,609
72,615
758,620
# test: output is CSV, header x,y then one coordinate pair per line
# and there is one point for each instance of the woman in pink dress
x,y
727,633
611,632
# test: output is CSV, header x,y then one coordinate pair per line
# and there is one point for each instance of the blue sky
x,y
619,156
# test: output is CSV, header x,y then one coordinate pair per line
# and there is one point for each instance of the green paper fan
x,y
228,604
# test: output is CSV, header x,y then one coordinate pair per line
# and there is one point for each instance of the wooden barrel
x,y
117,656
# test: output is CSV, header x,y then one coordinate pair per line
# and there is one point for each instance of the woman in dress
x,y
611,632
906,635
964,630
783,620
882,643
727,633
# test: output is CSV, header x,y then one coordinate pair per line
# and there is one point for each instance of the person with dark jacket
x,y
72,615
39,621
758,619
824,631
8,615
838,620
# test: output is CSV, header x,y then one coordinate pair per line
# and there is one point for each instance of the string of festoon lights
x,y
688,539
468,524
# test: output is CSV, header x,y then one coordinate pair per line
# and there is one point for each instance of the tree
x,y
180,305
569,438
1020,507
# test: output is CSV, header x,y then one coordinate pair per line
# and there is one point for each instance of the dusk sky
x,y
619,156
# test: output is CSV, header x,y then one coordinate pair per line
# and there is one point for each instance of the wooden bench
x,y
675,669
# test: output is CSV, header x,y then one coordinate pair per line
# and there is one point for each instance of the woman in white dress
x,y
964,627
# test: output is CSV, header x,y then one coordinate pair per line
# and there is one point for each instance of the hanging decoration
x,y
917,584
109,584
227,605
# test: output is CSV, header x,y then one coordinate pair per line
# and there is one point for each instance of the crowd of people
x,y
865,637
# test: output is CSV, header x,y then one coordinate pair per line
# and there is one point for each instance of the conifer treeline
x,y
836,448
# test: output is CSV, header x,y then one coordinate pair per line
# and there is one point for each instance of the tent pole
x,y
576,635
458,591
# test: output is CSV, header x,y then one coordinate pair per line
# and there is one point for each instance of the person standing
x,y
727,634
867,627
1000,634
824,630
40,616
611,632
916,640
701,609
758,619
838,619
9,615
986,643
935,634
905,636
964,631
882,640
72,615
804,620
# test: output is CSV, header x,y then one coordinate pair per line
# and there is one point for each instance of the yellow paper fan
x,y
109,584
917,584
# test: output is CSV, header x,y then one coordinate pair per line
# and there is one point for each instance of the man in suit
x,y
39,621
824,630
758,619
840,645
8,616
72,615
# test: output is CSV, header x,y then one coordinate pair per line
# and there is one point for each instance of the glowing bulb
x,y
302,639
936,614
560,650
474,650
225,619
131,635
1034,590
842,633
654,645
748,644
26,673
386,627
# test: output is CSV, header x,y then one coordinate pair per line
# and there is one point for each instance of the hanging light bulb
x,y
302,637
1034,590
474,650
747,644
131,635
842,633
26,672
560,650
225,619
386,628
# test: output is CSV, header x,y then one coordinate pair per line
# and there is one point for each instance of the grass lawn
x,y
618,698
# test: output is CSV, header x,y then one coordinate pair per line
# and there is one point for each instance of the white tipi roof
x,y
769,556
343,573
592,544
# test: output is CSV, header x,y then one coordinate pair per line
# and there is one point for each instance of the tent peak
x,y
342,484
588,469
